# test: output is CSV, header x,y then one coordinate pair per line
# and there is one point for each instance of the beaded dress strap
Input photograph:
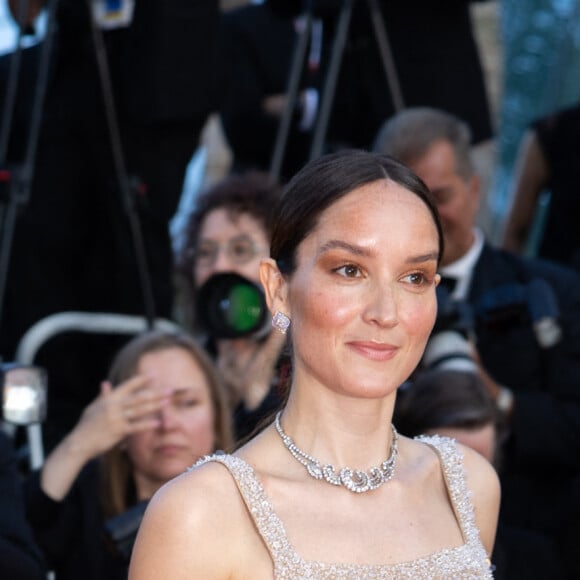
x,y
456,482
261,510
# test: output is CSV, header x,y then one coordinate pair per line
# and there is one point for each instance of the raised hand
x,y
112,416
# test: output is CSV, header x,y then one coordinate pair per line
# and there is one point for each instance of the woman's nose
x,y
222,262
382,305
167,417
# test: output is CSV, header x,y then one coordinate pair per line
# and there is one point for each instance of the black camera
x,y
455,315
449,347
498,310
534,303
231,306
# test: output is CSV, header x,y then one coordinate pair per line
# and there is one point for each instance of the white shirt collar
x,y
462,269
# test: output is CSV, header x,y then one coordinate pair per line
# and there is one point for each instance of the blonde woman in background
x,y
160,411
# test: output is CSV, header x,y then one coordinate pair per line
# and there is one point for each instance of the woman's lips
x,y
169,449
374,350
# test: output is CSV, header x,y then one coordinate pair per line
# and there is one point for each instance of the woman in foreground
x,y
351,278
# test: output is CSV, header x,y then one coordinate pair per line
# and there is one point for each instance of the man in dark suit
x,y
526,326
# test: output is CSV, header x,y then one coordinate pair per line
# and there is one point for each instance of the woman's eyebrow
x,y
361,251
184,390
340,244
423,258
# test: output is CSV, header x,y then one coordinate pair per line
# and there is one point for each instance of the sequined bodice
x,y
466,561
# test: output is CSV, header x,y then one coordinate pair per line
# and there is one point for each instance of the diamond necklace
x,y
354,480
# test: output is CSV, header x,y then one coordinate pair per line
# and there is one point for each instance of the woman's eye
x,y
239,249
185,403
206,251
417,279
243,251
349,271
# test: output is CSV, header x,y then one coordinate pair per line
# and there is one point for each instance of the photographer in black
x,y
526,329
73,248
227,236
20,557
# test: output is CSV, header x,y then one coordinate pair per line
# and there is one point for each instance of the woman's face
x,y
186,429
230,243
362,298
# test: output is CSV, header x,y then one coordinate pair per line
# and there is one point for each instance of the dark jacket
x,y
72,532
541,458
20,557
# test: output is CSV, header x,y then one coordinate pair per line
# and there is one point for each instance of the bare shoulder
x,y
189,527
483,482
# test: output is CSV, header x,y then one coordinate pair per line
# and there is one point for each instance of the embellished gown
x,y
466,561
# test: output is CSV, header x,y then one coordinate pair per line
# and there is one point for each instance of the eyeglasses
x,y
239,250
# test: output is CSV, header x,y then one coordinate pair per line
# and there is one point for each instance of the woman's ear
x,y
275,287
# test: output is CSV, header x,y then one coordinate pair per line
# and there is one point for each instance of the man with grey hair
x,y
436,145
525,325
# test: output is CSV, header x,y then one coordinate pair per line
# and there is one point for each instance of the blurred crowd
x,y
130,87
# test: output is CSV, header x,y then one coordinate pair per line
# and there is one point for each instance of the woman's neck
x,y
341,430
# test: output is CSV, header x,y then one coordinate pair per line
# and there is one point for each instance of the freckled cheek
x,y
326,310
419,320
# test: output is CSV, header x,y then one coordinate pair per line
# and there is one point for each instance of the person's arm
x,y
531,176
113,415
191,530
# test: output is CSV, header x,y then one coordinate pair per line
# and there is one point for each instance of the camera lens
x,y
231,306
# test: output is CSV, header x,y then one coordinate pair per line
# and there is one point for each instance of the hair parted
x,y
322,182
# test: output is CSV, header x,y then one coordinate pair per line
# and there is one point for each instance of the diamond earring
x,y
281,322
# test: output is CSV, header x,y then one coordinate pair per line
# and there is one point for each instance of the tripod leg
x,y
22,178
12,84
292,95
386,55
122,175
331,78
